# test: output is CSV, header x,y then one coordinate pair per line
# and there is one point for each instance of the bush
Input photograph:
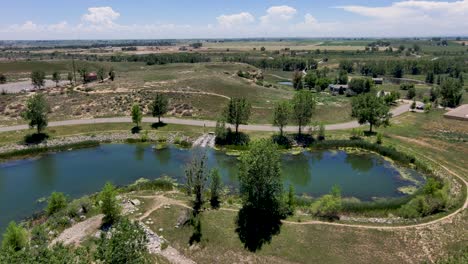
x,y
164,183
57,202
379,138
109,205
356,134
328,205
15,237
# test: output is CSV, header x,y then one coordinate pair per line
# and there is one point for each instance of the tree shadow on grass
x,y
158,125
36,138
256,227
370,134
136,130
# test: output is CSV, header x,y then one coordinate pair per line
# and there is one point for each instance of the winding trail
x,y
193,122
166,200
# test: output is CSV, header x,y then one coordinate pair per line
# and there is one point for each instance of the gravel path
x,y
191,122
78,232
17,87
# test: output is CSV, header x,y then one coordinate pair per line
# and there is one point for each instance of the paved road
x,y
207,123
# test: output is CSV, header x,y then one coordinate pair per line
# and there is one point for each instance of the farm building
x,y
91,77
338,88
378,81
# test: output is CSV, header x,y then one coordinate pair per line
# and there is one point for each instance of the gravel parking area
x,y
18,87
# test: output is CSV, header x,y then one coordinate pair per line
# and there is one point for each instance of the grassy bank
x,y
34,151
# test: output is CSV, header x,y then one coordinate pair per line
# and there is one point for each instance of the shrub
x,y
15,237
109,204
356,133
57,202
379,138
165,183
328,205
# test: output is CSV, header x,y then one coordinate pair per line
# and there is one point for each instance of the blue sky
x,y
49,19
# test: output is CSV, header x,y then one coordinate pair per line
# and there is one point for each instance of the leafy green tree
x,y
342,78
451,92
3,78
109,205
101,73
360,85
321,132
196,177
126,245
70,77
57,201
411,92
36,112
238,112
159,106
303,105
297,80
347,66
220,131
310,79
83,71
137,115
413,105
15,237
323,83
38,79
406,86
56,78
328,205
261,190
430,77
397,70
215,188
281,115
368,108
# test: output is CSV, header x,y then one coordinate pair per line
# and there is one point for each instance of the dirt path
x,y
192,122
170,201
78,232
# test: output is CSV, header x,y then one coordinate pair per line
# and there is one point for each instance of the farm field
x,y
182,184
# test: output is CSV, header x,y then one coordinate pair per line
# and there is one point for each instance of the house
x,y
338,88
378,81
91,77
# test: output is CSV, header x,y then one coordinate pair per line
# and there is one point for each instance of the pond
x,y
286,83
85,171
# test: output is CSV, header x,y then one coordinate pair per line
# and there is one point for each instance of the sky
x,y
163,19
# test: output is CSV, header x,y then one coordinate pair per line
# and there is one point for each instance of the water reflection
x,y
360,162
140,152
296,169
46,171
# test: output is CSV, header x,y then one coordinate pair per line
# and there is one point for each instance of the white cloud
x,y
278,14
404,18
100,16
233,20
413,18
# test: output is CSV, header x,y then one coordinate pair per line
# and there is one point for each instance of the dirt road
x,y
191,122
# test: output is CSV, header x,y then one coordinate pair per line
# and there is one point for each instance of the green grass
x,y
294,244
